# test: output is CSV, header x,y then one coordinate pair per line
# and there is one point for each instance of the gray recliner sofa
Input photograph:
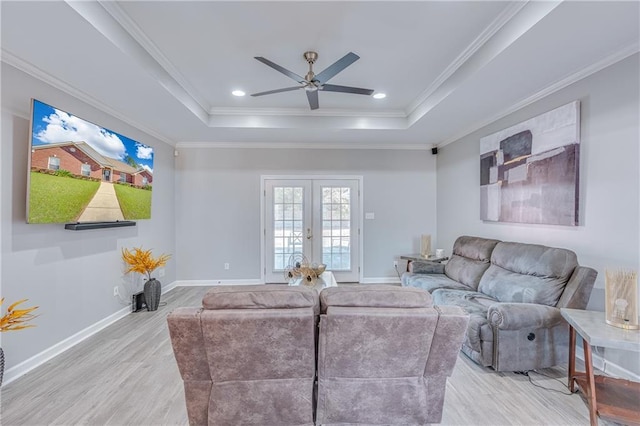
x,y
513,292
384,355
248,356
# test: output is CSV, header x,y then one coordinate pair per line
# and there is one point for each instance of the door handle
x,y
309,234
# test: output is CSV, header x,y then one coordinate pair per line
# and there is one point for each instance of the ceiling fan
x,y
311,82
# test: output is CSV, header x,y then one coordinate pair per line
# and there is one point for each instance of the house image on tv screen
x,y
83,161
81,172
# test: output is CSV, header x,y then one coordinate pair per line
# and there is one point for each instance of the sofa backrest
x,y
248,356
469,260
528,273
384,353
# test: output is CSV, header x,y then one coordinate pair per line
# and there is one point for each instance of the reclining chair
x,y
384,355
247,357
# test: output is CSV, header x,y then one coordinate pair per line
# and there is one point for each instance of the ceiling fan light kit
x,y
311,82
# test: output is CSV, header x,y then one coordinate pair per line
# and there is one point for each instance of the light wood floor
x,y
126,375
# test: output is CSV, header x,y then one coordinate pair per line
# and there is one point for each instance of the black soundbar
x,y
83,226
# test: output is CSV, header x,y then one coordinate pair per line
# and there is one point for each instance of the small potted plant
x,y
13,320
143,261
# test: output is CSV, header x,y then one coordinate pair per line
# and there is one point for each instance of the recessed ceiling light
x,y
380,96
238,93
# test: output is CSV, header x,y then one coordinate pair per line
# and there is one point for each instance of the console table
x,y
608,397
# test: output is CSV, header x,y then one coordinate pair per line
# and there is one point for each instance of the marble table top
x,y
592,327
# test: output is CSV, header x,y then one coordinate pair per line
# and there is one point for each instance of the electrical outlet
x,y
116,292
226,266
161,272
395,264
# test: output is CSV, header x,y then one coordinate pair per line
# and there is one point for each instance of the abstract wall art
x,y
529,173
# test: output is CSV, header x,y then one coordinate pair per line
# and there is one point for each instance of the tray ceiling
x,y
447,68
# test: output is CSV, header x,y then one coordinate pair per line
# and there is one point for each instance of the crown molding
x,y
290,145
505,16
514,24
117,26
145,42
612,59
32,70
111,28
114,23
302,112
14,111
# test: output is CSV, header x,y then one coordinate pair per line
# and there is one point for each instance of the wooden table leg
x,y
591,384
572,359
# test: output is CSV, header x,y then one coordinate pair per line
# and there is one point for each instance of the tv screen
x,y
81,172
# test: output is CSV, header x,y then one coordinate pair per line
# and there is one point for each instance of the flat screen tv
x,y
83,173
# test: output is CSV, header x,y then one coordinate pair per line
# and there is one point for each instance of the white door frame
x,y
263,228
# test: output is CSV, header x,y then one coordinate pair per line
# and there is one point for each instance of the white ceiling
x,y
448,68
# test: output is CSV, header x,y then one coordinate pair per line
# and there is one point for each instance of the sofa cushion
x,y
478,341
270,296
374,296
430,282
469,260
528,273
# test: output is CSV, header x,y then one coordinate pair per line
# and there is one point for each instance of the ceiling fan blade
x,y
312,96
284,71
346,89
337,66
269,92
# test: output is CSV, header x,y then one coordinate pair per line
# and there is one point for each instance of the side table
x,y
608,397
415,257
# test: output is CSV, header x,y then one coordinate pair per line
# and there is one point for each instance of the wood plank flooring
x,y
126,375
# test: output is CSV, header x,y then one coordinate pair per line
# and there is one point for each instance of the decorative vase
x,y
152,291
1,365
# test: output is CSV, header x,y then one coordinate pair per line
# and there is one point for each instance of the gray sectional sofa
x,y
513,292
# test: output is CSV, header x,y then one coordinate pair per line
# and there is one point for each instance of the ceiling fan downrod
x,y
310,57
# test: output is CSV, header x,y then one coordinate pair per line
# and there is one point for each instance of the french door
x,y
316,217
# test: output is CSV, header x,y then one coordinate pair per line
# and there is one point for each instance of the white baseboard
x,y
25,366
380,280
35,361
206,283
607,367
167,288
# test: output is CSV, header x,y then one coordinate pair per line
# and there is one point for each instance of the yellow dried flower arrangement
x,y
142,261
15,319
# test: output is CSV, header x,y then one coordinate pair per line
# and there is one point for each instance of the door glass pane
x,y
287,224
278,196
336,228
297,211
278,214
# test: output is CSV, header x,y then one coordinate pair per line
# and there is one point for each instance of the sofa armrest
x,y
419,267
516,316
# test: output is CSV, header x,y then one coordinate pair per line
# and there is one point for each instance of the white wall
x,y
609,233
69,274
218,194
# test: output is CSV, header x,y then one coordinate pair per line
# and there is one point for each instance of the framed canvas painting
x,y
529,173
